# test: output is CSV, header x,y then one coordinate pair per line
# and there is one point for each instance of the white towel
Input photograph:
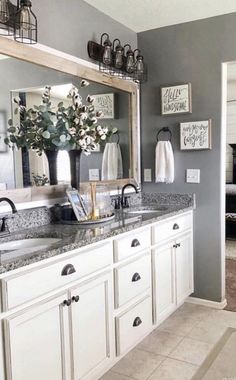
x,y
112,166
164,162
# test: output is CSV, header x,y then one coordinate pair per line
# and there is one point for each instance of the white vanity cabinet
x,y
172,255
74,316
37,342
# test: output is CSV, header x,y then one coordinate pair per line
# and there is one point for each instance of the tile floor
x,y
230,249
176,349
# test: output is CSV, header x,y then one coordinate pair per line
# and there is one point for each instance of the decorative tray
x,y
90,222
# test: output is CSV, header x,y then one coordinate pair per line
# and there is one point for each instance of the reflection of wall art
x,y
195,135
104,103
176,99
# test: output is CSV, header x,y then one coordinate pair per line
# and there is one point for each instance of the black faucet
x,y
124,200
4,230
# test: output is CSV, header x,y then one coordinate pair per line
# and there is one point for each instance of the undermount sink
x,y
146,210
27,243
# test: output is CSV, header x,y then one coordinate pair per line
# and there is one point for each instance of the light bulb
x,y
107,55
140,65
130,63
25,18
4,11
119,59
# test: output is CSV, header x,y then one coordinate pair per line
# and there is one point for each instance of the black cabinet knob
x,y
175,246
67,270
135,243
137,322
136,277
175,226
67,302
75,299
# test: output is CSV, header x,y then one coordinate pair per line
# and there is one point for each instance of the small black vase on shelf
x,y
52,165
75,155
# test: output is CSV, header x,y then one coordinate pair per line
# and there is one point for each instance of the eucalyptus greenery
x,y
45,127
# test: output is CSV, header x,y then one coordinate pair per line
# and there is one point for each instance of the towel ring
x,y
164,129
117,136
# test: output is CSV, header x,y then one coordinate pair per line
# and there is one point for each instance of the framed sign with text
x,y
195,135
176,99
104,103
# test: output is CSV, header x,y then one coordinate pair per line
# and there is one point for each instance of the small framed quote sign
x,y
195,135
104,103
176,99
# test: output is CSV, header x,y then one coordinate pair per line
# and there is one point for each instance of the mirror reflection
x,y
26,83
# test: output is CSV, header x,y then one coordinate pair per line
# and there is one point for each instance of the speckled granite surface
x,y
73,236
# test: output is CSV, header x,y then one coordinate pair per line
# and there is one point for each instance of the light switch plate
x,y
193,175
147,175
94,175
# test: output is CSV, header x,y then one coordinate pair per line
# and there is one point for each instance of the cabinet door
x,y
92,328
164,281
184,268
37,343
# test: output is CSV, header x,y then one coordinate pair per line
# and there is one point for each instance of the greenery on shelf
x,y
45,127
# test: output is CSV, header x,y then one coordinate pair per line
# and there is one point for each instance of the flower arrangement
x,y
45,127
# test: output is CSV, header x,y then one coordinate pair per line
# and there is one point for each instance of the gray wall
x,y
69,25
191,52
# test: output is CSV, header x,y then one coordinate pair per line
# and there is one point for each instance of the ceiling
x,y
141,15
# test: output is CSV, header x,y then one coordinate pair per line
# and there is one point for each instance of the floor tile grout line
x,y
182,361
121,374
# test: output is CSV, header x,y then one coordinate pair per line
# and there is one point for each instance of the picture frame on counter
x,y
105,104
196,135
176,99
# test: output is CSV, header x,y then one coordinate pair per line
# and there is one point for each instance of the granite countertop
x,y
73,236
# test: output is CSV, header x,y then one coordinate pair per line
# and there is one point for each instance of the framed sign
x,y
104,103
176,99
195,135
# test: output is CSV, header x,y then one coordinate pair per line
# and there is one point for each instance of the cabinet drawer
x,y
132,279
21,288
133,325
132,243
169,228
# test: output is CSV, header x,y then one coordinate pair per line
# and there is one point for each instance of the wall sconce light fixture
x,y
18,21
118,60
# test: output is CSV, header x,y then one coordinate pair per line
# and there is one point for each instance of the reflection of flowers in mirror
x,y
40,180
45,127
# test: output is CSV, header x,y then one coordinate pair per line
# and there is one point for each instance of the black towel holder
x,y
166,130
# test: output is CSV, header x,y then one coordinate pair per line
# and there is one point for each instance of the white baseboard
x,y
208,303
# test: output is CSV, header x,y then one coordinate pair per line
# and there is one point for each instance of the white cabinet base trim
x,y
208,303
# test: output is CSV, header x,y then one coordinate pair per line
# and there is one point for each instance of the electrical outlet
x,y
147,175
193,175
94,175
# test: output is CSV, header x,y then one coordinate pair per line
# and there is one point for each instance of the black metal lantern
x,y
25,30
129,60
7,18
107,53
118,52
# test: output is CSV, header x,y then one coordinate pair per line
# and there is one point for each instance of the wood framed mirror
x,y
55,64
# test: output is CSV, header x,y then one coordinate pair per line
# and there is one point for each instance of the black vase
x,y
75,155
52,165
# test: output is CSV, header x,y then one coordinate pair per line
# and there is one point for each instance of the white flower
x,y
83,116
90,99
84,83
94,120
105,130
99,128
103,137
46,135
81,132
99,114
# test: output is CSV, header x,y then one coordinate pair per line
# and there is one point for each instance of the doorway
x,y
230,188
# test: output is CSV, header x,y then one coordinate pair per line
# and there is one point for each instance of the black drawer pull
x,y
175,226
67,270
175,246
136,277
137,322
135,243
75,299
67,302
